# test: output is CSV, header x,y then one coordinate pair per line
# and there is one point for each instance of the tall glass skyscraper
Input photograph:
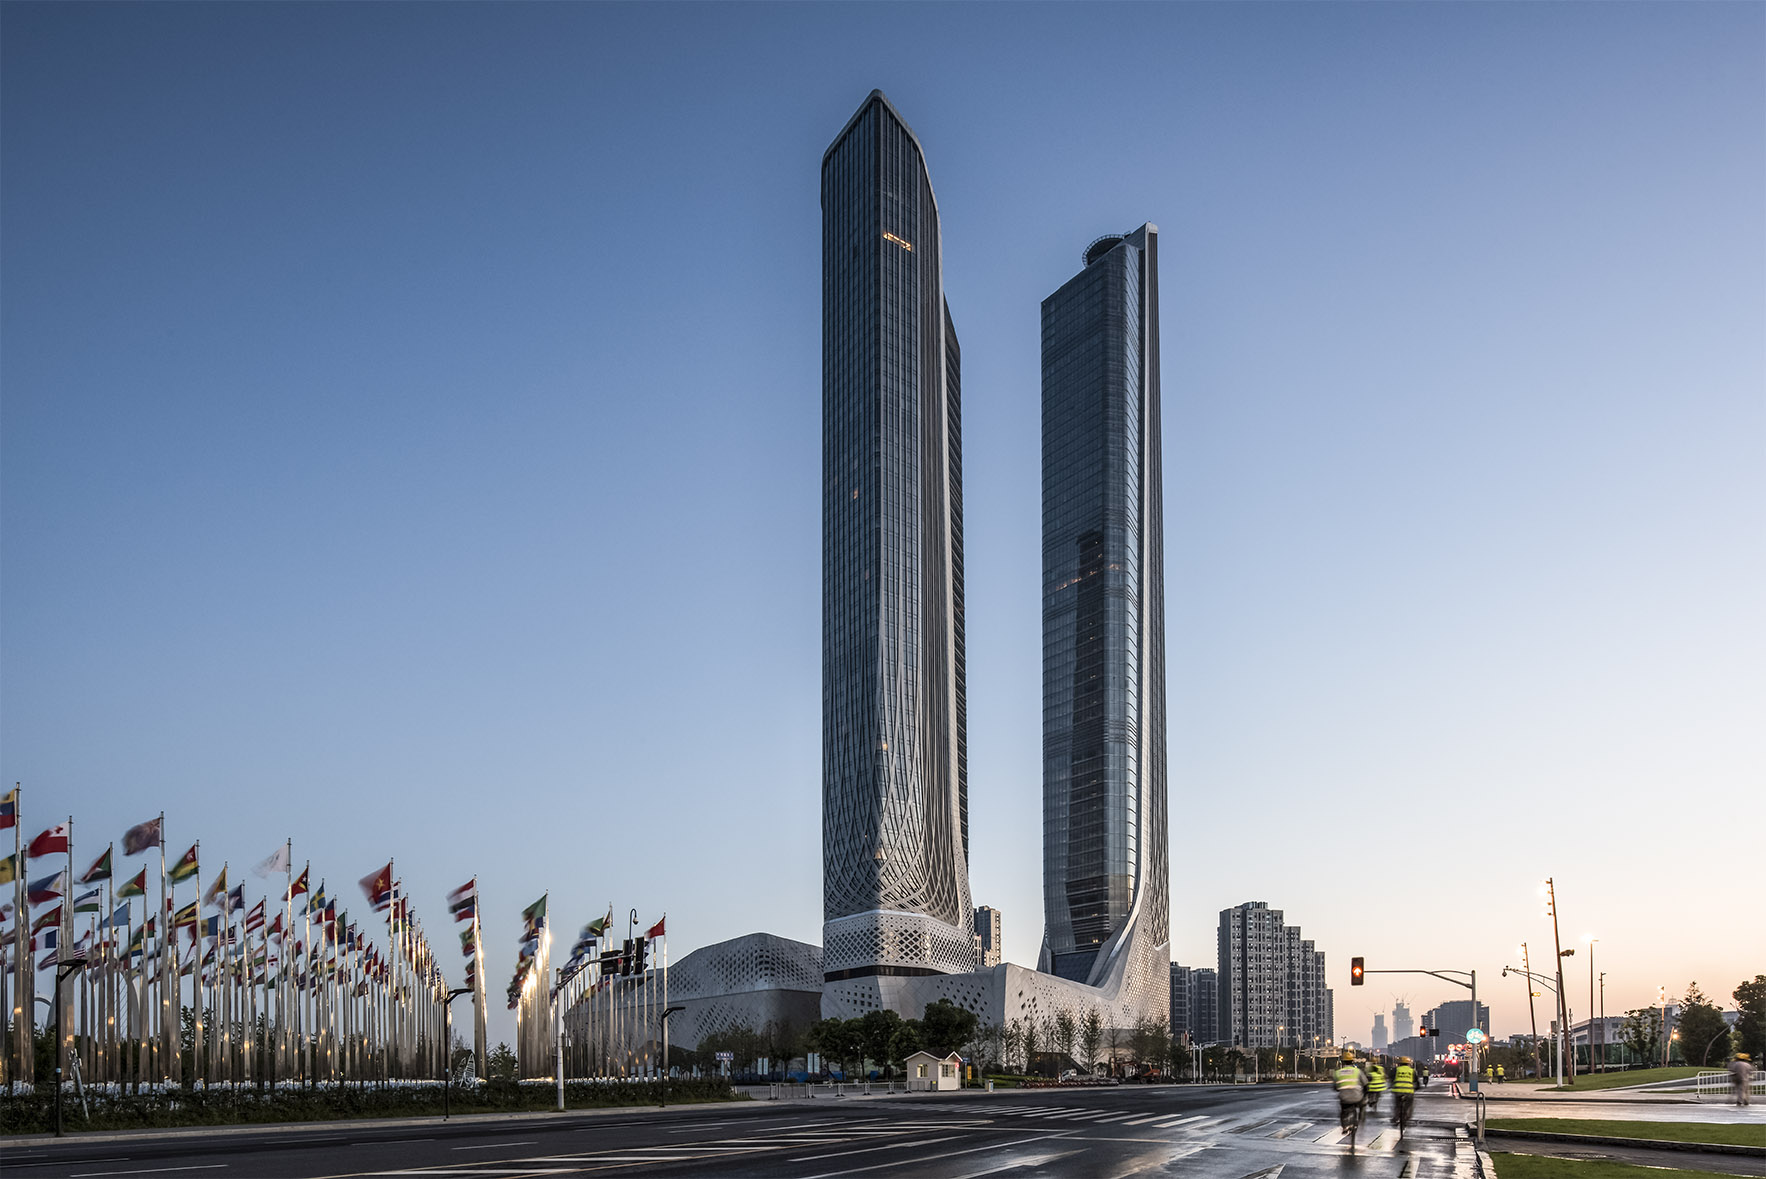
x,y
1105,870
895,829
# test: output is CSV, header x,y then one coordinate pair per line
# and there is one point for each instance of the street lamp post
x,y
663,1020
1551,906
1532,1016
1591,939
1532,978
63,971
448,1043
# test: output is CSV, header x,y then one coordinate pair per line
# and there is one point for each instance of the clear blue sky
x,y
411,446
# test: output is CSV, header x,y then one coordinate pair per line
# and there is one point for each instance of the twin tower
x,y
895,815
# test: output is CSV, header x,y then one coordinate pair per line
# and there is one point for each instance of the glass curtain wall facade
x,y
895,836
1104,803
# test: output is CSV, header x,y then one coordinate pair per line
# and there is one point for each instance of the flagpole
x,y
285,1041
169,1070
24,967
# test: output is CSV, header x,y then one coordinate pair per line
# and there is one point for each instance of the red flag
x,y
47,844
299,886
378,887
656,931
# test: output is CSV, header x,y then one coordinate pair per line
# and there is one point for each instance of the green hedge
x,y
34,1113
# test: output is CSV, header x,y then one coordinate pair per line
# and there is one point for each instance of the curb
x,y
276,1129
1758,1152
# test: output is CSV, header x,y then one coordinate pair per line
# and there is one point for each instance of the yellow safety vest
x,y
1376,1079
1404,1079
1348,1077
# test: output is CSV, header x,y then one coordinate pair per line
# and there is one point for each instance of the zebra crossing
x,y
1384,1141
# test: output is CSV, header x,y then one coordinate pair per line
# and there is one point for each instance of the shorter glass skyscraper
x,y
1105,874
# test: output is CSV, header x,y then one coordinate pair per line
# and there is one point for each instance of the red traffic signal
x,y
1356,970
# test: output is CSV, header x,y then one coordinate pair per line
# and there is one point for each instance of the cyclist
x,y
1376,1085
1403,1093
1501,1076
1350,1083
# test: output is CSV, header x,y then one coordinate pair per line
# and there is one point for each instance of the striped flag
x,y
48,843
9,808
100,869
185,868
134,888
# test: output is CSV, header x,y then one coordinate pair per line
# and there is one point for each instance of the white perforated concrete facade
x,y
747,981
1136,988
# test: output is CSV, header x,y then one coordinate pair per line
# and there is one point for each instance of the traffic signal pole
x,y
1468,978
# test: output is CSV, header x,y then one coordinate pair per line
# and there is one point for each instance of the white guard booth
x,y
927,1072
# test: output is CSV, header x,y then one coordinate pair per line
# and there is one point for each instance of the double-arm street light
x,y
1557,1043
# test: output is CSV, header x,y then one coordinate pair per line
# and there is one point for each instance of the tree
x,y
1032,1040
838,1040
945,1027
1066,1028
1643,1034
1012,1045
908,1039
1750,1029
1704,1037
877,1035
501,1064
1091,1037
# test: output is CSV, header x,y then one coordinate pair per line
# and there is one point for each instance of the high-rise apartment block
x,y
1380,1039
1402,1026
1105,875
895,827
989,937
1272,990
1194,996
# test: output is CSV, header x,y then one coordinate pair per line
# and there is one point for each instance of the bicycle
x,y
1405,1107
1350,1118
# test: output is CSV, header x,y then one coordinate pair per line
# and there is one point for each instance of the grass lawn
x,y
1636,1076
1532,1166
1732,1135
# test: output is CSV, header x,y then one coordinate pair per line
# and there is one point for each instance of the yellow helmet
x,y
1743,1056
1404,1060
1349,1056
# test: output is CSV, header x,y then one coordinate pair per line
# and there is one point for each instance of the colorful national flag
x,y
657,930
236,898
89,902
464,910
185,868
217,888
533,917
468,943
9,808
276,861
100,869
185,916
316,900
121,916
136,887
50,919
299,885
469,889
378,888
48,843
255,918
11,868
48,888
142,836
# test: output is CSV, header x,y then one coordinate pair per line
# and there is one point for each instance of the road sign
x,y
726,1057
1475,1036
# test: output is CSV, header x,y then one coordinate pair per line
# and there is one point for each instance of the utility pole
x,y
1551,905
1532,1017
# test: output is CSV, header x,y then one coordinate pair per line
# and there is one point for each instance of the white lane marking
x,y
1068,1116
1145,1120
1330,1136
1386,1141
1185,1153
1111,1118
1410,1168
1290,1129
495,1145
1267,1172
1090,1115
949,1154
151,1170
838,1154
1034,1160
1170,1122
382,1141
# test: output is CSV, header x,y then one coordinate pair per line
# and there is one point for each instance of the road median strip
x,y
1710,1137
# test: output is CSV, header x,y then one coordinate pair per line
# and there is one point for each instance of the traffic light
x,y
1355,972
643,946
1428,1031
609,962
626,957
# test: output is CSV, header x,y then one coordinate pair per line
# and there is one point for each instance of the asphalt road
x,y
1231,1133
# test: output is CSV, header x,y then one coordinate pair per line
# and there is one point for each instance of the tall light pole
x,y
63,970
1551,909
1540,979
1591,939
1532,1017
448,1043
